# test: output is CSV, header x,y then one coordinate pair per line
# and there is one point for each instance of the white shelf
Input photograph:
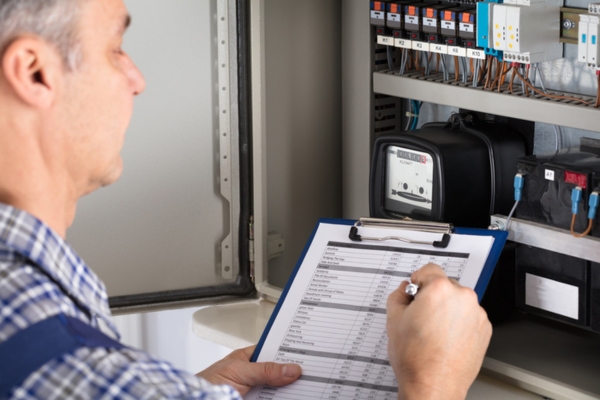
x,y
433,90
233,325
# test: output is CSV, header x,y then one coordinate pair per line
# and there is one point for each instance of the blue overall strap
x,y
29,349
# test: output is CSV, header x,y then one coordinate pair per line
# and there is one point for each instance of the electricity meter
x,y
441,173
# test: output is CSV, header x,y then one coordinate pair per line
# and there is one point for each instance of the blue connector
x,y
575,199
518,183
593,203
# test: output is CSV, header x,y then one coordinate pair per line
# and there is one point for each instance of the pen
x,y
412,289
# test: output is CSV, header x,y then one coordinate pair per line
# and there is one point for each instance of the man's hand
x,y
236,370
437,340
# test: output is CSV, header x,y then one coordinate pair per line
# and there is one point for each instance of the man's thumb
x,y
272,374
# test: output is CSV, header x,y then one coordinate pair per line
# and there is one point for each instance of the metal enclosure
x,y
171,230
160,227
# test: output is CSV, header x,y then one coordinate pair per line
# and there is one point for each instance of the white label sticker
x,y
404,43
457,51
393,17
472,53
438,48
385,40
449,25
549,174
429,22
377,15
411,19
466,27
551,295
421,46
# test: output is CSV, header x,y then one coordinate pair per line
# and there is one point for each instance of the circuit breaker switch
x,y
593,54
582,42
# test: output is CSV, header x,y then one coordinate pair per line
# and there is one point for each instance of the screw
x,y
568,24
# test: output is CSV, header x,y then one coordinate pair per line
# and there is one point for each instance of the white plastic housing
x,y
588,36
527,33
582,40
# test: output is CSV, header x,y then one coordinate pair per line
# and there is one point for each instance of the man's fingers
x,y
427,273
398,300
271,373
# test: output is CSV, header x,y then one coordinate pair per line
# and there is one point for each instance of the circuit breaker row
x,y
589,30
523,31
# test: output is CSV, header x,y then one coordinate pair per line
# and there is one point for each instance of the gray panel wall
x,y
157,228
303,121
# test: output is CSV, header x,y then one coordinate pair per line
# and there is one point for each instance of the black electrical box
x,y
456,173
552,285
549,181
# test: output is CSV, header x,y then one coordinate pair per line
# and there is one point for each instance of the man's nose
x,y
136,79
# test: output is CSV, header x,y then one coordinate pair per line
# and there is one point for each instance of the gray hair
x,y
55,21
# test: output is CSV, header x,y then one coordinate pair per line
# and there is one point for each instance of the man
x,y
66,97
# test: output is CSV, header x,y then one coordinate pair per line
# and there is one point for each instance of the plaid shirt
x,y
41,276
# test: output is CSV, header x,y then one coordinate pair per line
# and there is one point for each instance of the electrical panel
x,y
534,60
522,31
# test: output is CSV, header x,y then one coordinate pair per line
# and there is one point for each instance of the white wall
x,y
168,335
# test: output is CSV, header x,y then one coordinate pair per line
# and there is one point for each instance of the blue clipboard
x,y
484,278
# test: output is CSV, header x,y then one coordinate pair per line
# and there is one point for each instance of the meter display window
x,y
409,181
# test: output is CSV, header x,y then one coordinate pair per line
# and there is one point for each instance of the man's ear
x,y
31,68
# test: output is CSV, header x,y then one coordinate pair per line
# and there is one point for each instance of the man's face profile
x,y
98,95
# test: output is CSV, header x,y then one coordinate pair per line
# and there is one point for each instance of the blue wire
x,y
417,108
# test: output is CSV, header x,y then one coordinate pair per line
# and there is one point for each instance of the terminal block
x,y
587,47
527,33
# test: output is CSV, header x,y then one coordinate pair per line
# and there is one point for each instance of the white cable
x,y
510,215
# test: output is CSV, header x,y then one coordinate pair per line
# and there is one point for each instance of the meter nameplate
x,y
409,177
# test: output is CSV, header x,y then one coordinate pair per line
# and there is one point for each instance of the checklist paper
x,y
331,317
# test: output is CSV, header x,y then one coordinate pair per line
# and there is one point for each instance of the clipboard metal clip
x,y
408,225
